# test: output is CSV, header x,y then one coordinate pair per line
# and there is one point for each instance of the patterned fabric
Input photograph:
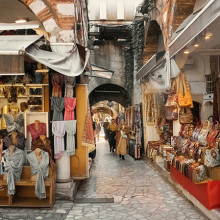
x,y
13,167
41,170
19,141
42,130
212,157
14,124
57,81
88,135
58,106
150,108
69,84
58,129
70,127
45,146
70,104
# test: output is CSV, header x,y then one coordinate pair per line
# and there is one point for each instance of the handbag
x,y
171,113
185,116
213,134
184,95
172,100
202,137
212,157
199,174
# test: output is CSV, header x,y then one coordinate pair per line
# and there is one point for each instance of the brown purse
x,y
185,116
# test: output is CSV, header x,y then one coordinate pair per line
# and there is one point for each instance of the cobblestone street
x,y
138,192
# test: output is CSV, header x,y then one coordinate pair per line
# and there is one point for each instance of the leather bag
x,y
185,116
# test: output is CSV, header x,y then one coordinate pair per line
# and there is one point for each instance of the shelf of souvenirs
x,y
27,85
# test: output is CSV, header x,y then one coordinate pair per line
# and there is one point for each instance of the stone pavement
x,y
138,191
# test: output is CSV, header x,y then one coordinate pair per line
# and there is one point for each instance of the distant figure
x,y
98,128
112,132
118,134
105,126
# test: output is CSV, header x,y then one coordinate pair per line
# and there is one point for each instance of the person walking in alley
x,y
112,132
123,142
105,126
98,128
118,134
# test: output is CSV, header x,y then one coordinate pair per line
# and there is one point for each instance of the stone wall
x,y
109,56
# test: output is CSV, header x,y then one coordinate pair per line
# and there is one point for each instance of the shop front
x,y
188,144
45,125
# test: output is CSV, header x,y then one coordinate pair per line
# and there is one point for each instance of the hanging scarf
x,y
20,143
38,143
70,127
88,135
58,129
13,166
69,84
41,170
14,124
57,81
58,106
70,104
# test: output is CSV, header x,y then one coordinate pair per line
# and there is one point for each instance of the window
x,y
209,84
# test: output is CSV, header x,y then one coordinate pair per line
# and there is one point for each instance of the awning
x,y
68,64
15,26
100,72
201,21
15,44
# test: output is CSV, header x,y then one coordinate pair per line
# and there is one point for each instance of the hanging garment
x,y
1,157
57,81
42,130
70,104
58,129
88,134
69,84
14,124
41,170
70,127
13,166
18,142
45,146
58,106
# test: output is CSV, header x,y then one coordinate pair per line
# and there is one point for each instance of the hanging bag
x,y
211,138
184,95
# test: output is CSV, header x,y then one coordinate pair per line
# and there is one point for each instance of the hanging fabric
x,y
69,85
41,170
58,129
57,81
88,135
70,127
58,106
13,167
70,104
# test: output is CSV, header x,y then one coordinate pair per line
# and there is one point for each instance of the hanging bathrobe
x,y
70,127
70,104
69,84
58,129
58,106
13,166
41,170
14,124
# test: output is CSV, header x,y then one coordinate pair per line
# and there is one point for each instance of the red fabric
x,y
37,132
70,104
205,193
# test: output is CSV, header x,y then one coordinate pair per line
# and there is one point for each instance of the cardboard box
x,y
214,173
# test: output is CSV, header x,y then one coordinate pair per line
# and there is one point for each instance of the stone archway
x,y
58,17
181,10
110,92
154,38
